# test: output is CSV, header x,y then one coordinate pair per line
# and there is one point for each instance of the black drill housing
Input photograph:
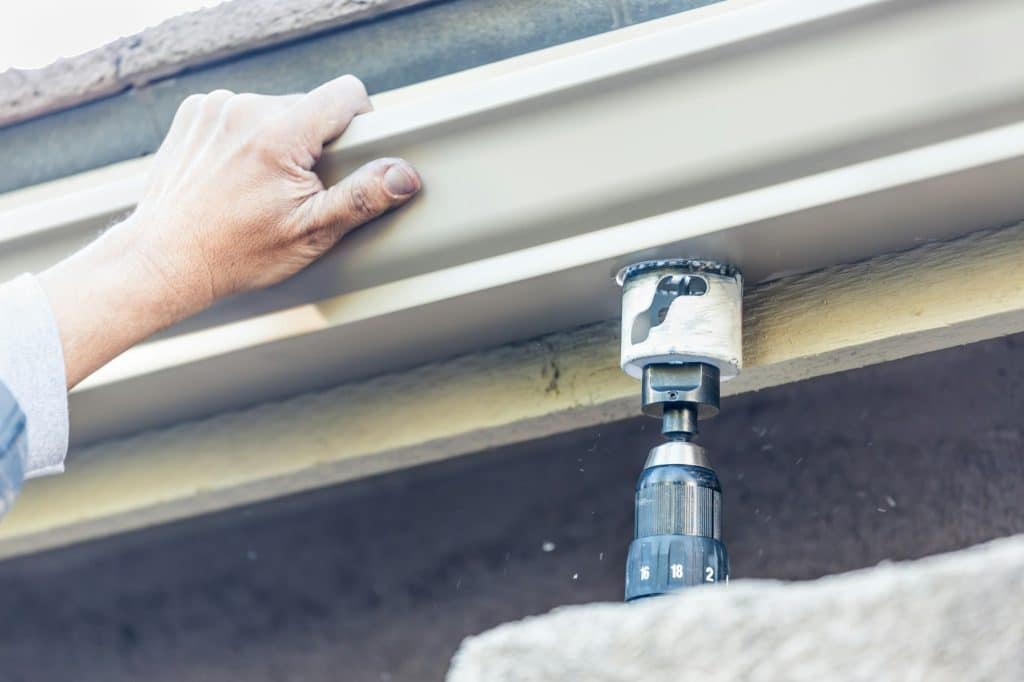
x,y
678,528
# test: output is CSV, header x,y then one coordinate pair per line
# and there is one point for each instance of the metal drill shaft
x,y
679,422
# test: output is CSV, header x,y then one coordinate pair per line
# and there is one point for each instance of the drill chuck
x,y
678,529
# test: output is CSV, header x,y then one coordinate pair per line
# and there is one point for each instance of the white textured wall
x,y
958,616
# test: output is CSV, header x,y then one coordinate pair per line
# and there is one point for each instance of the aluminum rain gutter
x,y
783,135
843,317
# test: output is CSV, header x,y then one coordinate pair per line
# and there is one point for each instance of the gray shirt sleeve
x,y
32,368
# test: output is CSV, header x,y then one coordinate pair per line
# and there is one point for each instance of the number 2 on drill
x,y
709,574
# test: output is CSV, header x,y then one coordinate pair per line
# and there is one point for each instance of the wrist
x,y
168,285
110,296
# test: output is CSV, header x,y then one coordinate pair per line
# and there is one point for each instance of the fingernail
x,y
400,180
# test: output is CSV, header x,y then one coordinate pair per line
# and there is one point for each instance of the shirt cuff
x,y
32,367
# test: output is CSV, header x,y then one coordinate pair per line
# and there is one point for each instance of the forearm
x,y
108,297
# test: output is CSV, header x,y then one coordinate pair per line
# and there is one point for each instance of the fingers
x,y
324,113
182,119
242,109
370,191
213,103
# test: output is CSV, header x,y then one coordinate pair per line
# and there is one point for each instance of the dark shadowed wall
x,y
380,579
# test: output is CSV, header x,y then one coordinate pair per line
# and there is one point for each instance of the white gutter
x,y
782,135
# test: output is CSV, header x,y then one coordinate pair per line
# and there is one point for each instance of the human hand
x,y
231,204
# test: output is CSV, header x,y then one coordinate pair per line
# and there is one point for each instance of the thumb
x,y
368,192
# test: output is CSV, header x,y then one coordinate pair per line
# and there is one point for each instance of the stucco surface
x,y
952,617
174,45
